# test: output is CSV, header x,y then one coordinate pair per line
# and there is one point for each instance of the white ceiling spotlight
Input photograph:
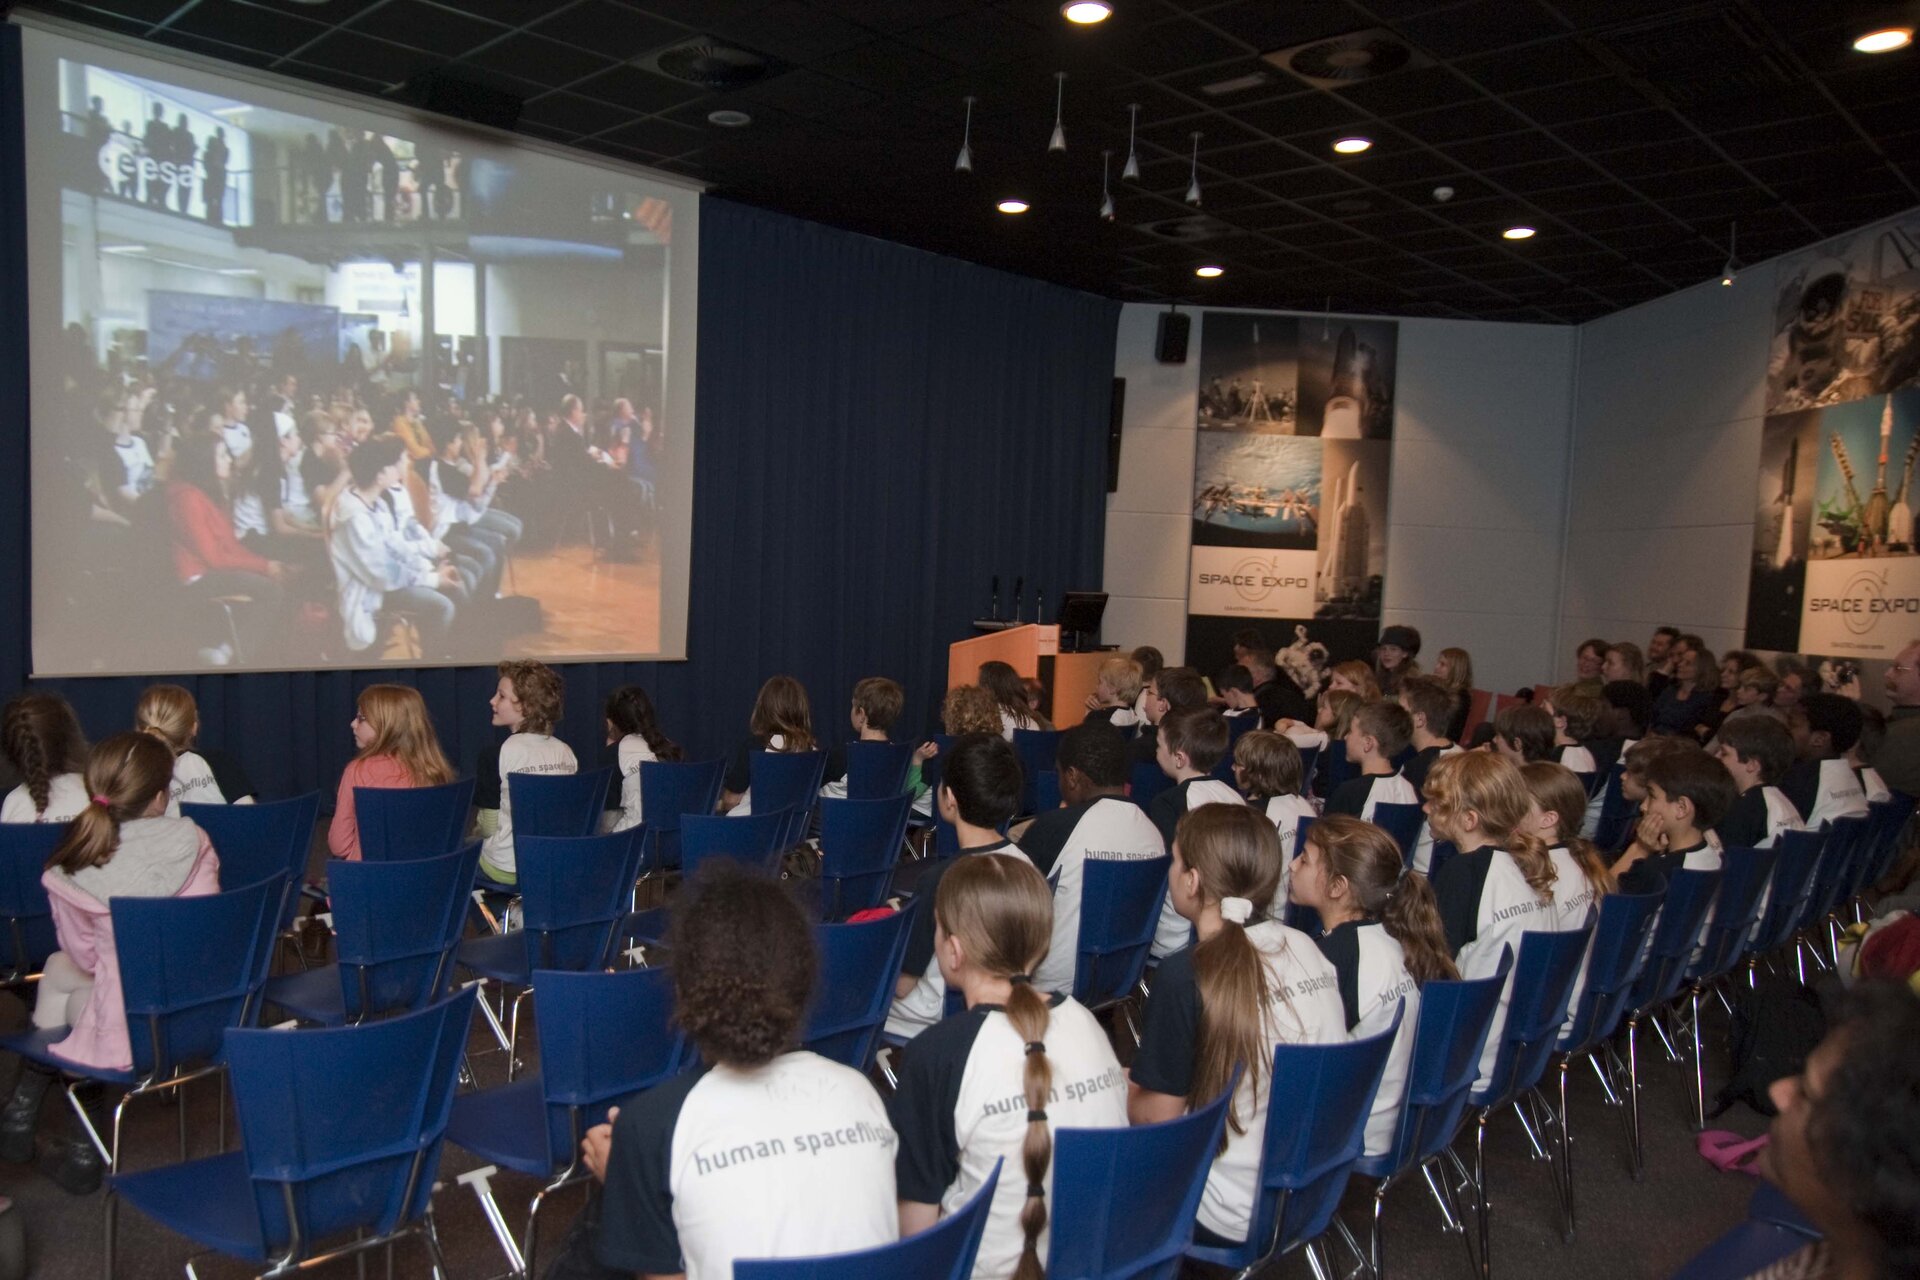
x,y
1086,12
965,161
1058,142
1012,206
1106,192
1885,40
1517,233
1209,272
1353,146
1193,183
1131,170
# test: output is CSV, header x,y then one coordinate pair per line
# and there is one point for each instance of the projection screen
x,y
323,384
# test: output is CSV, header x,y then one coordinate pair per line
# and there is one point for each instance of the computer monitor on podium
x,y
1079,620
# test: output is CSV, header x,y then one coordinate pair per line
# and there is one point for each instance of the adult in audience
x,y
1247,983
1660,657
209,558
958,1108
1394,659
1588,661
1898,758
1274,691
635,737
766,1150
1454,669
1623,661
1873,731
1682,704
782,720
397,747
41,739
376,568
526,702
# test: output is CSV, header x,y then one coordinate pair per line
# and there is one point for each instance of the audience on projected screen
x,y
396,747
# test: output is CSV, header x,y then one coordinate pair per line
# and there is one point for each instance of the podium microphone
x,y
1019,585
994,613
1039,605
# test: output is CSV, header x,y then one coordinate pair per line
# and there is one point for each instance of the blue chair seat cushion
x,y
312,995
506,1126
37,1046
209,1201
500,956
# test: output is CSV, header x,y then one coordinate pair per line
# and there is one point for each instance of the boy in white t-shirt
x,y
1377,733
1191,743
1757,751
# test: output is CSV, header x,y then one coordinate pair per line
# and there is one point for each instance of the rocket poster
x,y
1291,464
1836,560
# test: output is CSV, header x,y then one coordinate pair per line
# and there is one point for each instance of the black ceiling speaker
x,y
710,64
1170,347
446,92
1346,60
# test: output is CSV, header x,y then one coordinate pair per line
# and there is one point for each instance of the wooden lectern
x,y
1032,650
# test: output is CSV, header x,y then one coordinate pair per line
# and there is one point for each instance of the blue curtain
x,y
880,431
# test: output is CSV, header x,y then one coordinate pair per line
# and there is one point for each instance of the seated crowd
x,y
1263,803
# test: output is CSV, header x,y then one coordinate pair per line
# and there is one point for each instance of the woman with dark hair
x,y
765,1150
1016,702
782,720
635,737
208,557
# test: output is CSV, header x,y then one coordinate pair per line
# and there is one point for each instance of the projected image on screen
x,y
315,387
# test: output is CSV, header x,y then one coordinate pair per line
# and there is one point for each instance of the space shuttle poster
x,y
1291,464
1836,560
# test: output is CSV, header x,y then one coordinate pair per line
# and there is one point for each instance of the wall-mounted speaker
x,y
1115,412
1171,345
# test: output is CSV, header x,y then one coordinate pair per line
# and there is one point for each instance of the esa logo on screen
x,y
1863,602
1255,578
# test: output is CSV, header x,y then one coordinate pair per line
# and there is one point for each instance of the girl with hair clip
x,y
782,721
1501,882
1248,983
169,713
634,734
1582,876
1381,931
42,740
121,845
397,748
1010,692
996,1081
1266,768
526,702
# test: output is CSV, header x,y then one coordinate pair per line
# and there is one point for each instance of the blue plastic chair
x,y
1455,1019
1305,919
1402,822
860,843
1124,1199
1339,768
1443,852
1046,790
1317,1111
28,916
934,767
1119,910
1676,932
1810,923
1615,812
255,841
753,841
1543,979
1038,750
944,1251
1145,782
573,893
1795,855
1309,760
1747,1248
858,966
395,927
341,1135
877,770
787,780
1859,875
558,805
1891,817
670,791
412,822
1743,878
603,1037
1769,1204
1619,947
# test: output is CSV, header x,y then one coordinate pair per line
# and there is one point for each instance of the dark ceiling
x,y
1629,132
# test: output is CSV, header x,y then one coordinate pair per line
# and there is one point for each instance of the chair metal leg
x,y
1442,1193
513,1033
1483,1208
478,1179
180,1113
1376,1240
1636,1158
1699,1066
1566,1158
431,1235
1320,1270
493,1022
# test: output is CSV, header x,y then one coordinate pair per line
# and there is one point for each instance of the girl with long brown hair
x,y
398,748
782,720
1248,983
1017,710
1582,874
635,738
995,1082
121,845
41,739
528,701
1381,930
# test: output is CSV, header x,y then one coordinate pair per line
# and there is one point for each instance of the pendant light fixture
x,y
1106,192
964,163
1059,140
1131,170
1193,183
1731,272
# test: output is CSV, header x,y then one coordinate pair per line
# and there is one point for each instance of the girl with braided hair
x,y
42,741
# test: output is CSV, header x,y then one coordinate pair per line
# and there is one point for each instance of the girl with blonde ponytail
x,y
995,1082
1247,984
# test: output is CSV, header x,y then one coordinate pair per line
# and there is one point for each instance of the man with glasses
x,y
1898,759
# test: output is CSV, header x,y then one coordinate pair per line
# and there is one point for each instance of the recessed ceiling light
x,y
1518,233
1012,206
1885,40
1352,146
727,118
1086,12
1209,272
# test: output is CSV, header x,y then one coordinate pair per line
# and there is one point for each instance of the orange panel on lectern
x,y
1074,677
1018,647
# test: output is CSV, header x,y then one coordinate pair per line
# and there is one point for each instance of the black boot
x,y
73,1162
22,1114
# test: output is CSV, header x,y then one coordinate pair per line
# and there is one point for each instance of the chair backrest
x,y
860,842
1339,768
342,1128
670,791
1619,949
1889,819
1146,781
1858,831
1829,873
1676,932
858,965
944,1251
1037,749
573,893
412,822
1614,809
1402,822
1543,979
603,1036
1747,1248
1795,855
877,770
1239,727
191,968
1321,1098
396,924
787,780
1743,878
1046,790
1124,1199
935,766
24,909
1586,777
1309,759
255,841
1305,919
755,841
1119,908
1479,702
1456,1016
566,805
